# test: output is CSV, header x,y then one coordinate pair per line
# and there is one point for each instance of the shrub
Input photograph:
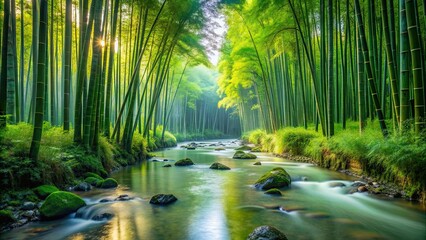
x,y
293,140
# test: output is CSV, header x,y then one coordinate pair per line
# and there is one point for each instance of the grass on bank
x,y
61,162
400,159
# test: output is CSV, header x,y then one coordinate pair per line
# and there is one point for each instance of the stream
x,y
216,204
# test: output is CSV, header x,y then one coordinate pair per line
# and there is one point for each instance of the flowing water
x,y
224,204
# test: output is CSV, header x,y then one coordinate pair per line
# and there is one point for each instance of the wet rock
x,y
266,233
336,184
242,155
257,163
165,160
155,160
362,189
167,165
358,184
103,216
276,178
105,200
83,187
304,178
28,214
92,180
44,190
243,148
59,204
109,183
274,191
163,199
28,206
184,162
219,166
219,149
123,197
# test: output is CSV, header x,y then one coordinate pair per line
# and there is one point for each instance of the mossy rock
x,y
276,178
92,180
44,191
219,166
256,149
243,148
274,191
109,183
257,163
93,175
184,162
219,149
242,155
59,204
266,232
6,217
163,199
14,203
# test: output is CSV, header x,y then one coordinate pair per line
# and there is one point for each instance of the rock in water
x,y
242,155
59,204
109,183
103,216
163,199
273,191
244,148
28,206
184,162
266,233
257,163
219,166
83,187
167,165
276,178
44,190
336,184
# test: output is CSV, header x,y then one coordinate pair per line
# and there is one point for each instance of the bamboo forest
x,y
213,119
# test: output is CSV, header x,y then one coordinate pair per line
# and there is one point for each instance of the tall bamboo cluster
x,y
325,62
102,67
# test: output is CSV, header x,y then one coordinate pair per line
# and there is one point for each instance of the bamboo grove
x,y
105,68
294,63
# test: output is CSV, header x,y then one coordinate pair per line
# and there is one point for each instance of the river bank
x,y
396,166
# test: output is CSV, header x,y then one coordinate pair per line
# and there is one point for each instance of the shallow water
x,y
225,205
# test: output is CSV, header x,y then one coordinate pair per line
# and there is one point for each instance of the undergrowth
x,y
400,159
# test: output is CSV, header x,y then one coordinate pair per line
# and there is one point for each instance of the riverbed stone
x,y
242,155
28,206
163,199
83,187
219,149
59,204
109,183
92,180
336,184
102,216
219,166
167,165
44,191
257,163
184,162
274,191
28,214
266,233
276,178
362,189
243,148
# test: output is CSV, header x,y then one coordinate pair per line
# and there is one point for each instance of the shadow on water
x,y
225,205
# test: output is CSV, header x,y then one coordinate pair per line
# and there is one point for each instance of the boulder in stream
x,y
276,178
163,199
44,191
242,155
266,233
59,204
219,166
167,165
109,183
184,162
257,163
243,148
274,191
83,187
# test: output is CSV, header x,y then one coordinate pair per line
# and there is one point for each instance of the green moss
x,y
244,148
6,217
44,191
14,203
273,191
109,183
242,155
184,162
219,166
92,180
256,149
59,204
93,175
276,178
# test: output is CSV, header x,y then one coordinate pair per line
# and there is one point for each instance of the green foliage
x,y
92,180
92,175
6,217
44,191
196,136
293,140
256,136
59,204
